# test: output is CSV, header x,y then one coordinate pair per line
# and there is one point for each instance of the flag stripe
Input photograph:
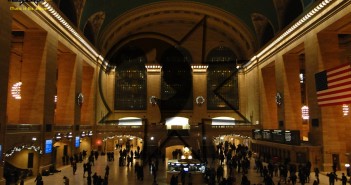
x,y
338,86
332,97
342,101
334,91
340,77
337,103
335,88
338,67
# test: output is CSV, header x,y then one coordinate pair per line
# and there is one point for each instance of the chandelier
x,y
305,112
345,109
16,90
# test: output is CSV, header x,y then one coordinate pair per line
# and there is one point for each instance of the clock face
x,y
278,98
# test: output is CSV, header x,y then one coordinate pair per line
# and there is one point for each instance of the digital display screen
x,y
257,134
290,137
266,135
48,146
77,143
278,136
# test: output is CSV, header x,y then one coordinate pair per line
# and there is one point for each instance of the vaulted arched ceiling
x,y
244,25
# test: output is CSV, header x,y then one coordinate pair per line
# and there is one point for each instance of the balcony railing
x,y
23,128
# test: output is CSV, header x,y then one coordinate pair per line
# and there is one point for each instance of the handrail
x,y
23,127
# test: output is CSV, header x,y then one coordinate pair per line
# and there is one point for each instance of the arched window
x,y
67,7
176,84
222,80
130,79
89,32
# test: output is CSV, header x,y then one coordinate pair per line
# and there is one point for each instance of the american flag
x,y
334,86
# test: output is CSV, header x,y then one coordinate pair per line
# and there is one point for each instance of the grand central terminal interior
x,y
81,76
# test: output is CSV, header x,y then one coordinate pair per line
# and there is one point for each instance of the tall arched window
x,y
222,80
67,7
176,84
130,79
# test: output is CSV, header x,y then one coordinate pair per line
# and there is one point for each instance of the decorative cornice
x,y
295,31
199,68
153,68
62,27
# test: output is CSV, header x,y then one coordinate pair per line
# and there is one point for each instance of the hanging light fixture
x,y
345,109
305,112
16,87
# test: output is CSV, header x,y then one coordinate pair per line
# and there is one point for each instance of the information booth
x,y
187,165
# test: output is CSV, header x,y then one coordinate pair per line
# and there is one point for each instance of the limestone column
x,y
5,45
153,89
50,73
33,77
199,90
268,105
312,59
334,126
66,89
279,76
292,92
77,105
88,90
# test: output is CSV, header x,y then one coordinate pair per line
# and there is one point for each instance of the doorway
x,y
336,161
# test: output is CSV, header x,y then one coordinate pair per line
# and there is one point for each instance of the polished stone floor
x,y
126,175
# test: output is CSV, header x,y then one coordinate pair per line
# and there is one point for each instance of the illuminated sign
x,y
77,143
48,146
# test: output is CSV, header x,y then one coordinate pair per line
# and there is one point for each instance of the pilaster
x,y
88,90
292,92
199,90
5,45
153,89
66,89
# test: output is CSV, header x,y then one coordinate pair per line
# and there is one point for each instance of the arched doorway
x,y
21,161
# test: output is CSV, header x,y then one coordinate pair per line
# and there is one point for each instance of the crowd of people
x,y
236,160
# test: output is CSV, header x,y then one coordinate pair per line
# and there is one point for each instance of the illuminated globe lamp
x,y
186,153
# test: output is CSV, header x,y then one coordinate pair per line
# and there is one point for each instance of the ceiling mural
x,y
79,4
96,21
246,25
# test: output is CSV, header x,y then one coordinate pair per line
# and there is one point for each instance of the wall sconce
x,y
200,100
152,138
83,134
80,99
34,138
153,100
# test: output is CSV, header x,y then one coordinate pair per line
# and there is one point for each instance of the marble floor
x,y
126,175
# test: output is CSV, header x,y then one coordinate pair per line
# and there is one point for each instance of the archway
x,y
21,161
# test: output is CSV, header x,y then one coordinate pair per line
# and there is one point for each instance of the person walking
x,y
343,179
65,180
74,166
39,179
107,171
